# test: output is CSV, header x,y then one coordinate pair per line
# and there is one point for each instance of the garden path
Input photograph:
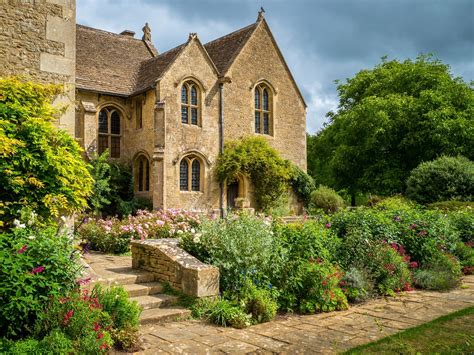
x,y
309,334
289,334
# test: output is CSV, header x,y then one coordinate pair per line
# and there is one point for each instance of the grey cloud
x,y
321,40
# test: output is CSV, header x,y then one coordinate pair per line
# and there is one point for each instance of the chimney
x,y
128,33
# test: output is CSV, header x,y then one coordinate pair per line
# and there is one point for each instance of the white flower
x,y
179,231
63,218
196,239
31,237
193,230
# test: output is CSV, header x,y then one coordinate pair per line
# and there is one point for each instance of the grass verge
x,y
450,334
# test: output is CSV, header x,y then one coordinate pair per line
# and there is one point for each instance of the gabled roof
x,y
225,49
107,62
122,65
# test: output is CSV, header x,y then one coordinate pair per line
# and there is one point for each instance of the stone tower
x,y
38,42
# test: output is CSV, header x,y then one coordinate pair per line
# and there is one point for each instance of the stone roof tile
x,y
108,62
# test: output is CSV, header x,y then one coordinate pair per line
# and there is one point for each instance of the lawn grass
x,y
450,334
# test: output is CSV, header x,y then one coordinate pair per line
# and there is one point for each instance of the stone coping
x,y
175,266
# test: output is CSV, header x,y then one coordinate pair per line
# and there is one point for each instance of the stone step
x,y
124,276
159,300
162,315
143,289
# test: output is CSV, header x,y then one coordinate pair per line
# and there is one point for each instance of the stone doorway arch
x,y
237,193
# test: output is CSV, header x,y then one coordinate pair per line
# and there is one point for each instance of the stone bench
x,y
175,266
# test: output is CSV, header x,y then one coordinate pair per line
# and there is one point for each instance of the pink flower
x,y
328,225
412,226
37,270
414,264
83,281
23,249
68,316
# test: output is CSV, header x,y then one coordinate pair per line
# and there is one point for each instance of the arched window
x,y
142,175
190,174
109,132
190,105
263,110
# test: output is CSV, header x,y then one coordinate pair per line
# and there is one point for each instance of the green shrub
x,y
326,199
124,312
222,312
396,204
34,266
307,240
442,272
445,178
57,342
465,255
357,284
320,288
240,246
303,185
81,318
463,222
25,346
389,269
258,302
452,205
253,157
41,166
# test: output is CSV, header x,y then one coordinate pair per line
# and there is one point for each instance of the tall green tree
x,y
389,120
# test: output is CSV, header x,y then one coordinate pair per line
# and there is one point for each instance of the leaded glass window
x,y
263,110
142,175
183,175
190,173
110,135
190,105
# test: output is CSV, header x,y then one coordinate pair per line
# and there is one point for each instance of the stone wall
x,y
173,265
38,42
260,61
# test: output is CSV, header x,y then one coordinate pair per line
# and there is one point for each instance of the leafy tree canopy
x,y
41,167
390,119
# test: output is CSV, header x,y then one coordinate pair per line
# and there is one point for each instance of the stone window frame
x,y
261,84
189,84
142,177
260,109
189,186
110,110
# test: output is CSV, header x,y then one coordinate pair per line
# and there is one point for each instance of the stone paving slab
x,y
326,333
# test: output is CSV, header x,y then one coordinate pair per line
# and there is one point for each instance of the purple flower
x,y
328,225
37,270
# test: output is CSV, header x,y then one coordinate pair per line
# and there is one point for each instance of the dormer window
x,y
263,109
190,103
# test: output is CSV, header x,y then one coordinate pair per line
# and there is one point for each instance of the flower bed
x,y
113,235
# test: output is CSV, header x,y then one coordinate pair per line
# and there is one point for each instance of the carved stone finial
x,y
146,33
261,14
192,35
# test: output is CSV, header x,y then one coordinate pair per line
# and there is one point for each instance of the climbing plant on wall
x,y
254,158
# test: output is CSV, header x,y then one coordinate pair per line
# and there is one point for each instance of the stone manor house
x,y
167,114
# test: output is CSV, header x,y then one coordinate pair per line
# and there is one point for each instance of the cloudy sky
x,y
321,40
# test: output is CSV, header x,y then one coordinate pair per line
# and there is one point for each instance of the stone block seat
x,y
169,263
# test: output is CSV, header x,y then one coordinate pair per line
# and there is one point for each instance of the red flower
x,y
96,326
414,264
324,283
100,335
407,287
37,270
68,316
342,283
23,249
103,347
